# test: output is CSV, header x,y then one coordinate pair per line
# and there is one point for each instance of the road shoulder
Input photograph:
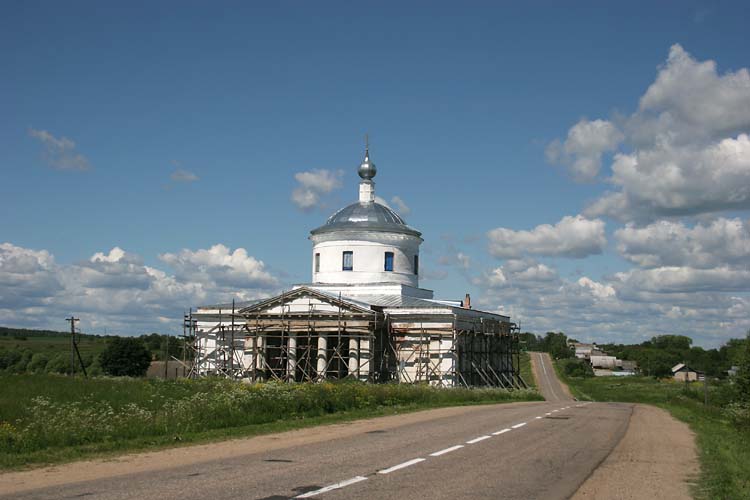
x,y
656,458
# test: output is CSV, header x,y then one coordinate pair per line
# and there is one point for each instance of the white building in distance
x,y
363,315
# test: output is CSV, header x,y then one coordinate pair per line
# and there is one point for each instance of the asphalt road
x,y
525,451
548,383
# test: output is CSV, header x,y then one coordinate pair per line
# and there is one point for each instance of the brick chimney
x,y
467,301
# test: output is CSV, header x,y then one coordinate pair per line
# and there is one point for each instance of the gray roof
x,y
228,305
370,216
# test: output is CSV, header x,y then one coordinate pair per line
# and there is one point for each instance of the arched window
x,y
388,261
317,262
416,264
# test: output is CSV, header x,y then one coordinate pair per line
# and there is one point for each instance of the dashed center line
x,y
408,463
414,461
447,450
332,487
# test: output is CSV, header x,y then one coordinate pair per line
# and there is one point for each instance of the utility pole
x,y
72,320
74,347
166,357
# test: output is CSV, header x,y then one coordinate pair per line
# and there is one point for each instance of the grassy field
x,y
526,372
49,418
724,450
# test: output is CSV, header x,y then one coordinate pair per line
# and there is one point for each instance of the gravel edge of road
x,y
656,458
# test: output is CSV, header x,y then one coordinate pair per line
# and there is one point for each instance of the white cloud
x,y
181,175
60,153
684,151
519,273
582,150
666,243
575,237
401,207
115,290
221,266
669,180
312,185
675,279
689,96
27,276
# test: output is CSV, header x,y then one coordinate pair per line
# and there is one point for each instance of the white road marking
x,y
537,418
518,425
447,450
501,432
555,411
476,440
401,466
331,487
548,414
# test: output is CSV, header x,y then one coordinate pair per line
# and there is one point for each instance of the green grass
x,y
48,418
724,449
526,372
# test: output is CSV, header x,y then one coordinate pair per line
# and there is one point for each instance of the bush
x,y
38,363
60,363
125,357
577,368
739,414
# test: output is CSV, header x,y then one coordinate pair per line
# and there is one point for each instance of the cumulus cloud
x,y
116,290
670,180
519,273
582,150
182,175
684,151
313,185
574,237
221,266
27,276
722,242
60,153
626,307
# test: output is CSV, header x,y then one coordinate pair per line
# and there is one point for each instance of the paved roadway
x,y
522,451
549,385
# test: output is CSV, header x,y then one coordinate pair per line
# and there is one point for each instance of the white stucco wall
x,y
369,257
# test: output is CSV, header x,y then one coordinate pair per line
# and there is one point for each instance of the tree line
x,y
655,357
113,356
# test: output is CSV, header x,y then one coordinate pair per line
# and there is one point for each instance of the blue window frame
x,y
347,263
389,261
416,264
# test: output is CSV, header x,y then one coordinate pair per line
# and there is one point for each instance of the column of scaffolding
x,y
309,347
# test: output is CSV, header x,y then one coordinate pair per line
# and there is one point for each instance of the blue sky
x,y
163,129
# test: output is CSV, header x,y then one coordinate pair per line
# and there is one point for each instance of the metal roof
x,y
228,306
370,216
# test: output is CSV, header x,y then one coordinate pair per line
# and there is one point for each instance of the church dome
x,y
367,216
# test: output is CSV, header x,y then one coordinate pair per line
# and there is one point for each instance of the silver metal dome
x,y
368,217
367,169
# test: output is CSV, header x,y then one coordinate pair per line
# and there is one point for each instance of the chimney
x,y
467,301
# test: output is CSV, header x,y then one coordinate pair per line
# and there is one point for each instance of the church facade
x,y
362,316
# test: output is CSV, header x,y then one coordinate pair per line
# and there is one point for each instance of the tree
x,y
125,357
742,380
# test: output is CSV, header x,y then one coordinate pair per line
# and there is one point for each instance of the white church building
x,y
362,316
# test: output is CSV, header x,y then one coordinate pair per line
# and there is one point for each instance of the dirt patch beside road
x,y
656,458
